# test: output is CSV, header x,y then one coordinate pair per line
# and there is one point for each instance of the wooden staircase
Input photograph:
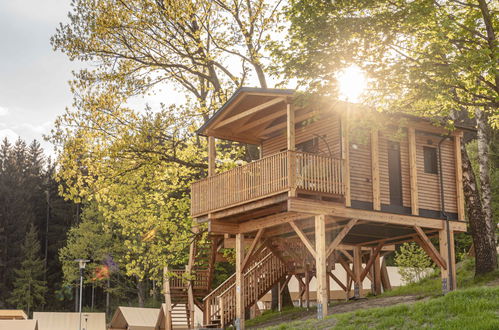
x,y
264,271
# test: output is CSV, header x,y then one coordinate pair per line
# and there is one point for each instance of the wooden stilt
x,y
377,275
357,269
168,300
239,282
448,274
307,286
385,279
320,265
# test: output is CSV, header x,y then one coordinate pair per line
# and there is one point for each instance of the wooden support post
x,y
375,170
448,273
377,275
239,282
189,268
307,286
345,153
413,171
212,156
357,269
168,300
291,144
385,279
320,265
459,177
279,297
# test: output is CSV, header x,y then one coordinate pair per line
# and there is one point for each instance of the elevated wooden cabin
x,y
335,183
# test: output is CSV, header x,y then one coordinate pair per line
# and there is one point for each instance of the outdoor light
x,y
81,264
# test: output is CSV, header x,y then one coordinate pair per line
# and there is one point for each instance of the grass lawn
x,y
471,307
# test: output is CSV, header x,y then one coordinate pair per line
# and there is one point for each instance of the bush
x,y
413,262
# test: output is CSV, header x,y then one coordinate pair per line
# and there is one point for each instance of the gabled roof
x,y
134,318
12,314
70,321
18,324
245,105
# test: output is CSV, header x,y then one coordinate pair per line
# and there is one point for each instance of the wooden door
x,y
394,173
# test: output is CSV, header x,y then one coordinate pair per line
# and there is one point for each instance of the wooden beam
x,y
413,170
212,156
337,280
220,227
290,126
346,267
250,112
335,209
239,282
270,221
252,124
252,248
345,153
337,240
357,269
320,266
458,164
385,279
377,274
304,239
430,248
346,254
371,260
168,300
375,170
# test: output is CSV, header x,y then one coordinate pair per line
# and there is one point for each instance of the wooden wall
x,y
360,161
328,127
428,184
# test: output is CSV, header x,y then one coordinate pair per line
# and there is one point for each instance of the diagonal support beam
x,y
371,261
346,267
337,280
303,238
252,247
428,246
337,240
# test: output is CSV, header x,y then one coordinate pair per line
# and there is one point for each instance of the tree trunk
x,y
485,251
140,292
484,172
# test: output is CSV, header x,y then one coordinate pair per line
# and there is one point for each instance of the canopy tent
x,y
18,325
134,318
13,314
70,321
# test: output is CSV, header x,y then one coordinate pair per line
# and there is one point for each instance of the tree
x,y
413,262
29,286
431,58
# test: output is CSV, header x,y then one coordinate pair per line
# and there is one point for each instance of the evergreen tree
x,y
29,286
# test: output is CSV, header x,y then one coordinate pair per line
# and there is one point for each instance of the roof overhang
x,y
247,113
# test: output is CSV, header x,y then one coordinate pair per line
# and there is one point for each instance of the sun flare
x,y
352,83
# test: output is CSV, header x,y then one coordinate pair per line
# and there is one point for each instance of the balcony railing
x,y
265,177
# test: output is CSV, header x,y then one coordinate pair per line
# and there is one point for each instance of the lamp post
x,y
81,264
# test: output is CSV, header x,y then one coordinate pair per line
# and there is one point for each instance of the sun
x,y
352,83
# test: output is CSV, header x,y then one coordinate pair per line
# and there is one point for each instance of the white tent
x,y
12,314
70,321
134,318
18,325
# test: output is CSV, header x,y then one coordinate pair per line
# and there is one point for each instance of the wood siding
x,y
327,128
428,184
360,167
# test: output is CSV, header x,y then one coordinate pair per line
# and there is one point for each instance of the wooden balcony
x,y
272,175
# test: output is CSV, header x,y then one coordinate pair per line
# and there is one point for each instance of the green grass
x,y
472,308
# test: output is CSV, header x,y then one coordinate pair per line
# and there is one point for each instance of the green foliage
x,y
29,286
424,57
413,262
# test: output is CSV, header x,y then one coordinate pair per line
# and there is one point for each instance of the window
x,y
311,146
430,160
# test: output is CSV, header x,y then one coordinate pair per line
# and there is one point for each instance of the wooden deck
x,y
287,171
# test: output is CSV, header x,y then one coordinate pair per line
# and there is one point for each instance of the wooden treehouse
x,y
326,190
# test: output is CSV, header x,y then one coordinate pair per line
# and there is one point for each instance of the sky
x,y
33,78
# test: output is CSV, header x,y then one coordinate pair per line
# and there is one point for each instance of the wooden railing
x,y
179,279
265,177
220,305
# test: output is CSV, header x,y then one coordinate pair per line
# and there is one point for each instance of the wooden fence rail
x,y
265,177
